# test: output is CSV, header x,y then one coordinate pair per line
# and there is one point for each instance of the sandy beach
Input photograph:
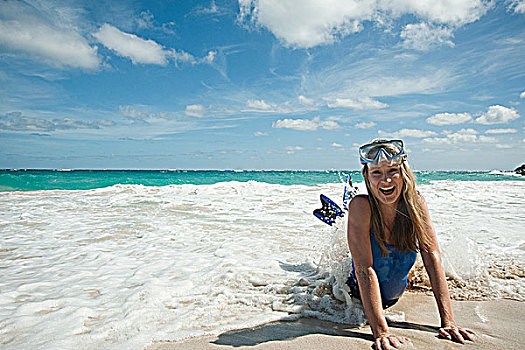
x,y
498,324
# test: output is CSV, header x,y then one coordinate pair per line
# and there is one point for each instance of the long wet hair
x,y
409,231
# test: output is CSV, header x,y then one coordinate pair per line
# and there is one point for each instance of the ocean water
x,y
66,179
120,259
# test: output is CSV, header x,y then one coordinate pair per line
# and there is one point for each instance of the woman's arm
x,y
358,233
432,261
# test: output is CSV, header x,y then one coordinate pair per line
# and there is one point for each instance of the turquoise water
x,y
34,180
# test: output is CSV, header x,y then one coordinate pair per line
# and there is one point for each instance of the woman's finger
x,y
385,343
467,333
456,336
395,341
444,334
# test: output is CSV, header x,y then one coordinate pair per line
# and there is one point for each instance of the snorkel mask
x,y
389,152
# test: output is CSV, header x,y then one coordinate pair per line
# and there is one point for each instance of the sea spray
x,y
323,294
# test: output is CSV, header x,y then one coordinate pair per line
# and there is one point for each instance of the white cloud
x,y
305,23
305,101
329,125
518,6
262,106
195,111
131,46
487,139
423,37
210,57
134,114
260,133
360,103
305,124
364,125
449,118
145,20
407,133
292,149
460,137
337,145
308,23
503,146
437,141
259,104
522,95
497,115
501,131
184,57
24,29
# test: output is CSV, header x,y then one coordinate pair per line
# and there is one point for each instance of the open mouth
x,y
387,191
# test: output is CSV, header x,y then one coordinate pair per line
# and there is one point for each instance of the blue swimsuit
x,y
392,272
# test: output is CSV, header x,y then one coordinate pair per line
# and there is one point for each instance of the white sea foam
x,y
122,266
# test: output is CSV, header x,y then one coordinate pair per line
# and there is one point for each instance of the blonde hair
x,y
409,231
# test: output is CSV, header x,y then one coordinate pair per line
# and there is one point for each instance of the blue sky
x,y
268,84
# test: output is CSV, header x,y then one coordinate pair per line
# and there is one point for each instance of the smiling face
x,y
386,182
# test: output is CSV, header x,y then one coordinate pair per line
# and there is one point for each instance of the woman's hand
x,y
389,341
457,334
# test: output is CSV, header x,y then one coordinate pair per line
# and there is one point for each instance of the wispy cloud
x,y
423,37
16,121
135,114
262,106
516,6
310,101
212,10
23,29
397,85
360,103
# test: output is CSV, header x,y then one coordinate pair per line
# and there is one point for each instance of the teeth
x,y
387,189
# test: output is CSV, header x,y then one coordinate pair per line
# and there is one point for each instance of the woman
x,y
386,229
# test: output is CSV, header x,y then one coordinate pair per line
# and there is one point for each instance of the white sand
x,y
499,324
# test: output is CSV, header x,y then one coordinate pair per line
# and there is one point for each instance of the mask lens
x,y
392,148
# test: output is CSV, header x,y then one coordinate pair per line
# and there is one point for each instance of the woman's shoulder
x,y
359,206
359,214
360,199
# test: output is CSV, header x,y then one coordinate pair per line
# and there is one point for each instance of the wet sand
x,y
499,324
